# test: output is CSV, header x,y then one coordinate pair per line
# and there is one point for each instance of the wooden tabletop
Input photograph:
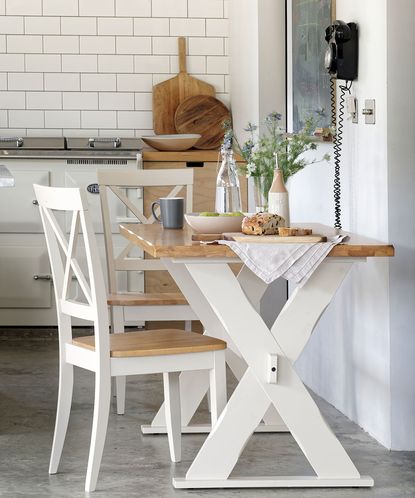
x,y
159,243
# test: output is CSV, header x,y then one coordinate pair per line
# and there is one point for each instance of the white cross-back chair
x,y
167,351
141,306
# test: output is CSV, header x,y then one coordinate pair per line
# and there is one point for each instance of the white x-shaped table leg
x,y
218,299
194,385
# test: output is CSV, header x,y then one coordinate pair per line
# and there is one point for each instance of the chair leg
x,y
99,428
208,393
209,403
117,327
173,413
62,414
188,325
217,377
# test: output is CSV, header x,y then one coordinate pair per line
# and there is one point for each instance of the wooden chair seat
x,y
147,299
154,343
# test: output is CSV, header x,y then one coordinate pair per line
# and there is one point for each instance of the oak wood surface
x,y
191,155
167,95
269,239
154,343
147,299
178,243
205,115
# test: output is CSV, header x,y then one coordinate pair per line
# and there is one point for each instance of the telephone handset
x,y
342,53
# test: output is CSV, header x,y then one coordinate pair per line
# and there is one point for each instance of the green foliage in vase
x,y
260,148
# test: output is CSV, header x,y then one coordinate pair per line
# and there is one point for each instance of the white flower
x,y
250,168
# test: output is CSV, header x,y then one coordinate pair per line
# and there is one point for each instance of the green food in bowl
x,y
238,213
206,213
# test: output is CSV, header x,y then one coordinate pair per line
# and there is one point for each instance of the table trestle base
x,y
208,289
274,482
206,428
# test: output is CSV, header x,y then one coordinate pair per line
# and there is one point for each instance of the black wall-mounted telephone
x,y
341,61
341,57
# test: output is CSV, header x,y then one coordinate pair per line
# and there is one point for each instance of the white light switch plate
x,y
370,111
272,369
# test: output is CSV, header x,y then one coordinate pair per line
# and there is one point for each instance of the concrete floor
x,y
139,466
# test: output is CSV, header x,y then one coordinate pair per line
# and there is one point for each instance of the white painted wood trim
x,y
173,420
273,482
206,428
163,363
174,312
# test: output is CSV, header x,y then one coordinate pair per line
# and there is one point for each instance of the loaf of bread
x,y
262,224
292,232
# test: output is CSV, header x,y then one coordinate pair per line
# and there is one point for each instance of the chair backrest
x,y
65,266
119,183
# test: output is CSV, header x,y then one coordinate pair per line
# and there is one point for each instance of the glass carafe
x,y
228,192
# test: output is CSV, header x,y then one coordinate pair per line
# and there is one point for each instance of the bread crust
x,y
292,232
262,224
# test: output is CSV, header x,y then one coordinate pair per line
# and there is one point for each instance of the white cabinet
x,y
18,212
22,282
26,287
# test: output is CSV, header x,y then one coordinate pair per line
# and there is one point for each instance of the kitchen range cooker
x,y
26,296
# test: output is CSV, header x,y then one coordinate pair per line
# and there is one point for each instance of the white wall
x,y
257,60
361,357
348,358
243,62
88,66
401,182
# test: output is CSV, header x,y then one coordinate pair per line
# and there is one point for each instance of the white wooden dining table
x,y
261,357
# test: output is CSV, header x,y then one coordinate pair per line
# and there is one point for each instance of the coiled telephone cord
x,y
337,144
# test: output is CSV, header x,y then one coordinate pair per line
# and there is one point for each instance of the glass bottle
x,y
278,201
228,192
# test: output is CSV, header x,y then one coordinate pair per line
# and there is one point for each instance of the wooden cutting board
x,y
261,239
205,115
169,94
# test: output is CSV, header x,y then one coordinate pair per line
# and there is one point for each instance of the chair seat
x,y
154,343
147,299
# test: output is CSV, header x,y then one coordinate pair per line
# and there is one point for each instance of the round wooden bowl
x,y
174,142
214,224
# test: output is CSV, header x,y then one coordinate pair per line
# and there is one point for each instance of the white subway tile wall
x,y
42,25
87,67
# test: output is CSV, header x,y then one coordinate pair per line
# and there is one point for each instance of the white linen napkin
x,y
295,262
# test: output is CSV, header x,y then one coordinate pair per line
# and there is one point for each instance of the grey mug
x,y
171,211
